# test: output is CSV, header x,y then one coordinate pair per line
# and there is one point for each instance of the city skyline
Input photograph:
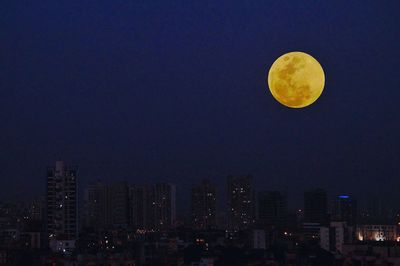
x,y
336,205
141,225
294,200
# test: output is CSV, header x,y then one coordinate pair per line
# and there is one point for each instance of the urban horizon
x,y
139,223
219,182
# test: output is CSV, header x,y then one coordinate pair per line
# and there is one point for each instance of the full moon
x,y
296,79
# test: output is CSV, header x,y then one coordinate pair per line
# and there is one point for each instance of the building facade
x,y
119,196
377,232
97,214
161,206
240,202
315,206
61,207
272,208
345,209
138,198
204,205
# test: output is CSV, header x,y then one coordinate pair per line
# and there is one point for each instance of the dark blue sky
x,y
176,91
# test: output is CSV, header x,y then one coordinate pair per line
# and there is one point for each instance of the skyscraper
x,y
119,204
97,209
204,205
240,202
107,206
61,207
345,209
272,208
161,206
138,197
315,206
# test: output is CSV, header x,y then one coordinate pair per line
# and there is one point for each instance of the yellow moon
x,y
296,79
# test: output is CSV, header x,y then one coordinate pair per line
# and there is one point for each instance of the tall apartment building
x,y
204,205
97,214
61,207
161,206
315,206
107,206
345,209
119,205
272,208
120,208
138,199
240,202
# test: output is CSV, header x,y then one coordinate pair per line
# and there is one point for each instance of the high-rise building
x,y
204,205
345,209
138,197
97,202
107,206
161,206
137,207
272,208
119,195
240,202
35,210
315,206
61,207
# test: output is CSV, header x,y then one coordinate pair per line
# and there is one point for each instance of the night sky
x,y
176,91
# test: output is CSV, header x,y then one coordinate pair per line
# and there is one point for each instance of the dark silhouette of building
x,y
107,206
61,207
119,204
240,202
97,214
345,209
138,197
161,206
272,208
315,206
204,205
